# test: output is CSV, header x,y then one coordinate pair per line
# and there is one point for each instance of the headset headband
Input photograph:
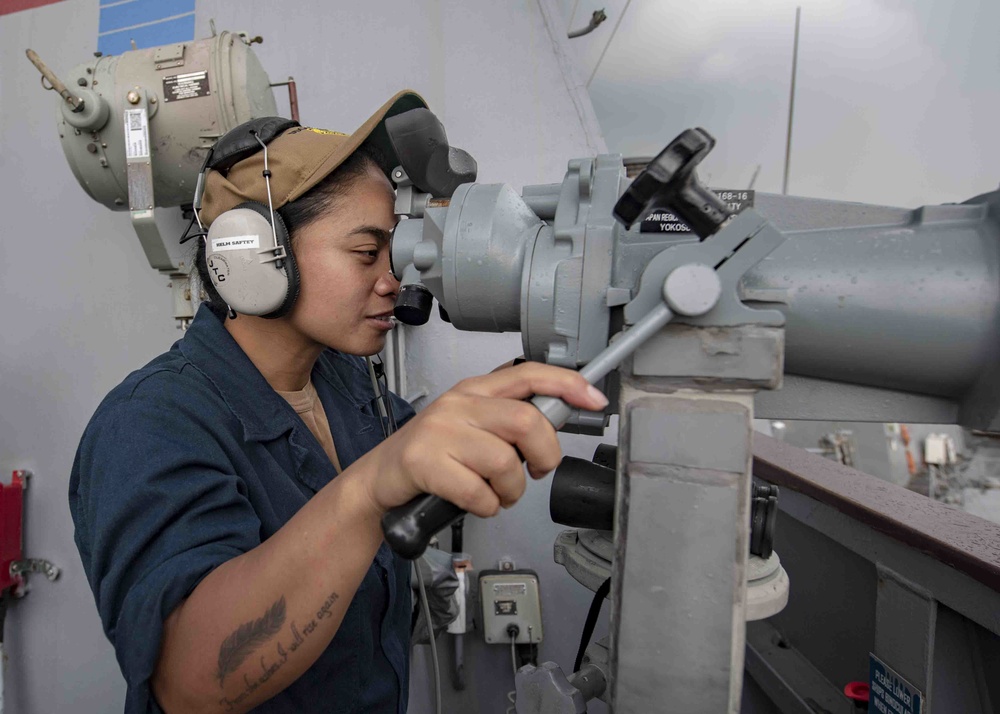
x,y
239,143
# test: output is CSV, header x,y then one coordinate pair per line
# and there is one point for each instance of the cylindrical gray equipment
x,y
910,301
473,256
194,93
889,298
487,236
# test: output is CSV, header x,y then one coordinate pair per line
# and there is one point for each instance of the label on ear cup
x,y
235,243
218,268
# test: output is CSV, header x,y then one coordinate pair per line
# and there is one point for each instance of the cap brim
x,y
373,131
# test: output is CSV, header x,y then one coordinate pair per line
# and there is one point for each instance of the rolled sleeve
x,y
157,506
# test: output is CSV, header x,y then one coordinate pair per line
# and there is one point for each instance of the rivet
x,y
132,97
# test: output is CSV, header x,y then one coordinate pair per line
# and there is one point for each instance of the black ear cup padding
x,y
239,143
291,267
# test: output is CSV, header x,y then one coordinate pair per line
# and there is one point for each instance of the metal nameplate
x,y
663,221
185,86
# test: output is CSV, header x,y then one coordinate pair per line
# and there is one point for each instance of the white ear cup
x,y
238,244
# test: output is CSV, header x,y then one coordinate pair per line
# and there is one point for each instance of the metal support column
x,y
678,622
679,608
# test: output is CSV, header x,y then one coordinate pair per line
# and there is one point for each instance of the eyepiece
x,y
413,305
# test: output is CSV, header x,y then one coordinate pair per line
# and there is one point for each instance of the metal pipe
x,y
557,411
614,32
293,96
458,638
54,82
596,19
293,99
791,102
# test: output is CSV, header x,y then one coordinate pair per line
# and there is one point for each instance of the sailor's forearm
x,y
257,622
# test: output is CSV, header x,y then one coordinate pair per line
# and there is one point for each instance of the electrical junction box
x,y
510,597
939,450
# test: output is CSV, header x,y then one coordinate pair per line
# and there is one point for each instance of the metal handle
x,y
409,528
54,83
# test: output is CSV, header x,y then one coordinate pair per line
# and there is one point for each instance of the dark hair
x,y
320,199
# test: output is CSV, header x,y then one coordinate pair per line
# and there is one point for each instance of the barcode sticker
x,y
136,134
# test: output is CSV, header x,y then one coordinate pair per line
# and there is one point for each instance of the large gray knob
x,y
692,289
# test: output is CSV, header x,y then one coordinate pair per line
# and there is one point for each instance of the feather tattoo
x,y
248,637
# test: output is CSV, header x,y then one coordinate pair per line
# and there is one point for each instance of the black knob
x,y
413,305
582,495
763,519
669,182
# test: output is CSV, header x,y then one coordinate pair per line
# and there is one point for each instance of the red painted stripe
x,y
9,6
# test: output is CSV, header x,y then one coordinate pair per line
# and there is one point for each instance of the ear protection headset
x,y
247,248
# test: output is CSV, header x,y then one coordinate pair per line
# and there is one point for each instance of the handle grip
x,y
409,528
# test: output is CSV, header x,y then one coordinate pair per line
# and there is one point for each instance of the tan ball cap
x,y
299,159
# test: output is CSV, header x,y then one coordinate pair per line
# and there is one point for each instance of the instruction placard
x,y
136,134
185,86
890,693
667,222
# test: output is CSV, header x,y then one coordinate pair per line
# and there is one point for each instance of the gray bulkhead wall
x,y
83,308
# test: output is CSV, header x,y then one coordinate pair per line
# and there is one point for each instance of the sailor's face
x,y
347,291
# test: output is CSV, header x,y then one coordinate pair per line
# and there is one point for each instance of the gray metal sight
x,y
899,302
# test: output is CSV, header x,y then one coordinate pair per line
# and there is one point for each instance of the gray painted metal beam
x,y
953,555
789,679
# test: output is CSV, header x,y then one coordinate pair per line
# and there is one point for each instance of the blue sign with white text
x,y
890,693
